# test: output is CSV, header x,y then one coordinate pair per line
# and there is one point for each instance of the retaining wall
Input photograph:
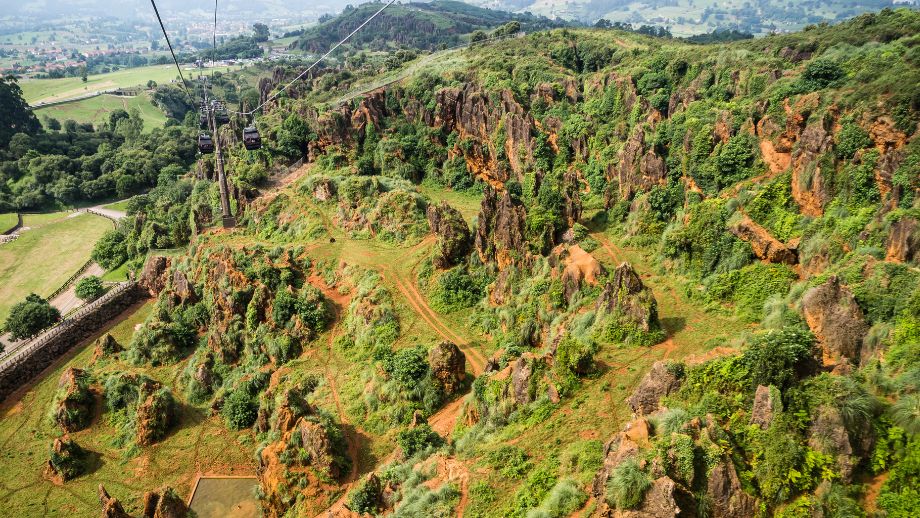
x,y
29,361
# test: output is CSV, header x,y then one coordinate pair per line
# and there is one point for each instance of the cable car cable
x,y
317,62
171,51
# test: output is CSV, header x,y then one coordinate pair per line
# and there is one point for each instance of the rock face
x,y
765,407
727,498
628,296
836,320
580,268
111,507
153,276
75,409
660,381
155,413
448,366
106,347
665,499
624,445
182,289
317,443
903,244
454,237
829,435
765,246
164,503
500,234
809,188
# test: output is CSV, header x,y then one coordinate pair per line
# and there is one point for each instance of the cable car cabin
x,y
205,144
202,120
251,138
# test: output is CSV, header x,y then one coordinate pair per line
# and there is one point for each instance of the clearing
x,y
96,110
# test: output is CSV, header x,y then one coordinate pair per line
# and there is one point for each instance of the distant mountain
x,y
689,17
415,24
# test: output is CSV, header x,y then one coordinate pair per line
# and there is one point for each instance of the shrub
x,y
408,366
511,461
780,357
89,288
240,409
30,316
455,289
820,73
414,440
563,499
851,139
627,485
111,250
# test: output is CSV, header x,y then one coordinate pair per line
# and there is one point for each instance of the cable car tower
x,y
212,114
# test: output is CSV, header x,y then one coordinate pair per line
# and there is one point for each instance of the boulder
x,y
660,381
766,405
580,268
75,407
521,374
765,246
106,346
153,276
629,297
829,435
622,446
809,187
448,367
317,443
665,499
454,237
164,503
155,413
836,320
111,507
727,498
182,289
68,460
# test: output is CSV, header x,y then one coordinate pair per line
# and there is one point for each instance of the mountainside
x,y
578,273
690,17
420,25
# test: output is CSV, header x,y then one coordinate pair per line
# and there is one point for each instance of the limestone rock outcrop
x,y
903,244
765,246
454,237
727,498
629,297
153,277
67,460
111,507
836,320
500,234
766,405
164,503
448,367
75,407
661,380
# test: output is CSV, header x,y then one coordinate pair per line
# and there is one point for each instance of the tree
x,y
30,316
15,115
261,32
83,75
110,251
89,288
478,36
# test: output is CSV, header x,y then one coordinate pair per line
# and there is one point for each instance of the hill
x,y
691,17
416,25
578,273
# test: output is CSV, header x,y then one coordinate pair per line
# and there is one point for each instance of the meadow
x,y
46,255
96,110
46,90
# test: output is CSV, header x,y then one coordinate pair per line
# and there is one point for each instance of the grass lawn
x,y
197,442
35,90
117,275
46,255
118,205
7,221
97,110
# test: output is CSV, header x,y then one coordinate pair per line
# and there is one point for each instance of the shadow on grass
x,y
672,325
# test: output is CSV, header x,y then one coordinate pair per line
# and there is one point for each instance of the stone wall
x,y
28,362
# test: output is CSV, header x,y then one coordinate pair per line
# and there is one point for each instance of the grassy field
x,y
118,205
7,221
38,90
197,444
97,110
46,255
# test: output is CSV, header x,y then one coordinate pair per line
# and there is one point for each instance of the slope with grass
x,y
97,110
49,249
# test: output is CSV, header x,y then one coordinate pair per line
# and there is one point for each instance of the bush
x,y
820,73
627,485
414,440
780,357
511,461
455,289
408,366
111,250
89,288
30,316
240,409
563,499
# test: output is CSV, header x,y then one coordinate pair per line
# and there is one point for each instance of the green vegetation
x,y
30,316
42,258
89,288
97,111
